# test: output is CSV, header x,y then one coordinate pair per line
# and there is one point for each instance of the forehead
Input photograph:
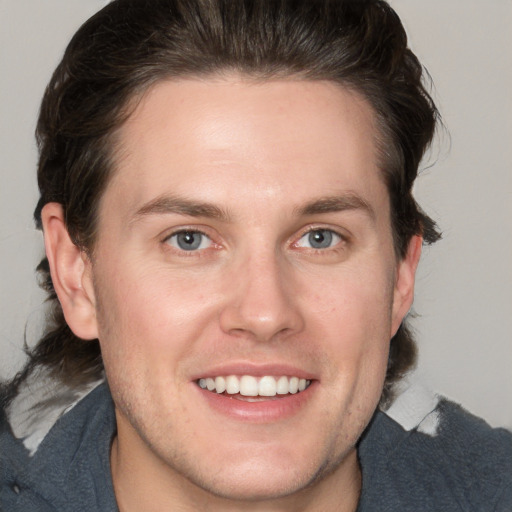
x,y
286,139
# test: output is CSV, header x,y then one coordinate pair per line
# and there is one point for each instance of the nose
x,y
262,304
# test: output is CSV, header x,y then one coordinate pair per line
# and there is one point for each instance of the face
x,y
244,242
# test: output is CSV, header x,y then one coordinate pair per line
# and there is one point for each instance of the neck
x,y
151,485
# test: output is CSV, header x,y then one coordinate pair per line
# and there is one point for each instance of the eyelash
x,y
343,239
183,252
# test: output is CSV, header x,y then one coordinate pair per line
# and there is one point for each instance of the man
x,y
232,239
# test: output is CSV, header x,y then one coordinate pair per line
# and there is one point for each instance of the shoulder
x,y
70,468
450,460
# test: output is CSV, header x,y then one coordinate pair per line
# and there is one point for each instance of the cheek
x,y
354,316
352,301
149,316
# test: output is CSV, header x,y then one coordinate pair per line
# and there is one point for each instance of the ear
x,y
404,284
71,274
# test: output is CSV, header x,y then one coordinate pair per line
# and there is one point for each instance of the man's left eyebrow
x,y
337,203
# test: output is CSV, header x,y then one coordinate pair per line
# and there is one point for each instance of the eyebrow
x,y
181,206
337,203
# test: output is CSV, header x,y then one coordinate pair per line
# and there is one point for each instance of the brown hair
x,y
131,44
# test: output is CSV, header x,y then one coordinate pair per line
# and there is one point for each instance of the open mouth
x,y
248,387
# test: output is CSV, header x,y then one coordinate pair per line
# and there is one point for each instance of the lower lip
x,y
264,411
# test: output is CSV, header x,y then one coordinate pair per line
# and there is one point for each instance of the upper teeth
x,y
247,385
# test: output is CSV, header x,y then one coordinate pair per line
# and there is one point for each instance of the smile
x,y
250,386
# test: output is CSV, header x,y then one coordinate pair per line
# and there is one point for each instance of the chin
x,y
256,484
265,475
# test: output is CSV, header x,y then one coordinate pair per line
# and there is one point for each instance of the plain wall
x,y
464,285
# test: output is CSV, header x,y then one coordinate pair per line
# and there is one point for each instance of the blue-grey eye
x,y
319,239
189,240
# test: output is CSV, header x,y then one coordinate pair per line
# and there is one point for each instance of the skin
x,y
255,292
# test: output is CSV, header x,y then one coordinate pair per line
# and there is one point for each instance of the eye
x,y
189,240
319,239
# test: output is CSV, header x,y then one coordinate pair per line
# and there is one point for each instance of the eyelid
x,y
204,242
321,227
177,231
343,238
168,234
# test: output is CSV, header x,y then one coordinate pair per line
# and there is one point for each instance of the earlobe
x,y
71,274
404,283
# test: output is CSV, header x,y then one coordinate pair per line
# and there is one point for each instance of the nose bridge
x,y
262,304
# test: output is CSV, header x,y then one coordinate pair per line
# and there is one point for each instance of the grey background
x,y
464,285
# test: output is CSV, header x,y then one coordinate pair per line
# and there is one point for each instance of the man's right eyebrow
x,y
181,206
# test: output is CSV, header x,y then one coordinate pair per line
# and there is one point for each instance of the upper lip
x,y
254,369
